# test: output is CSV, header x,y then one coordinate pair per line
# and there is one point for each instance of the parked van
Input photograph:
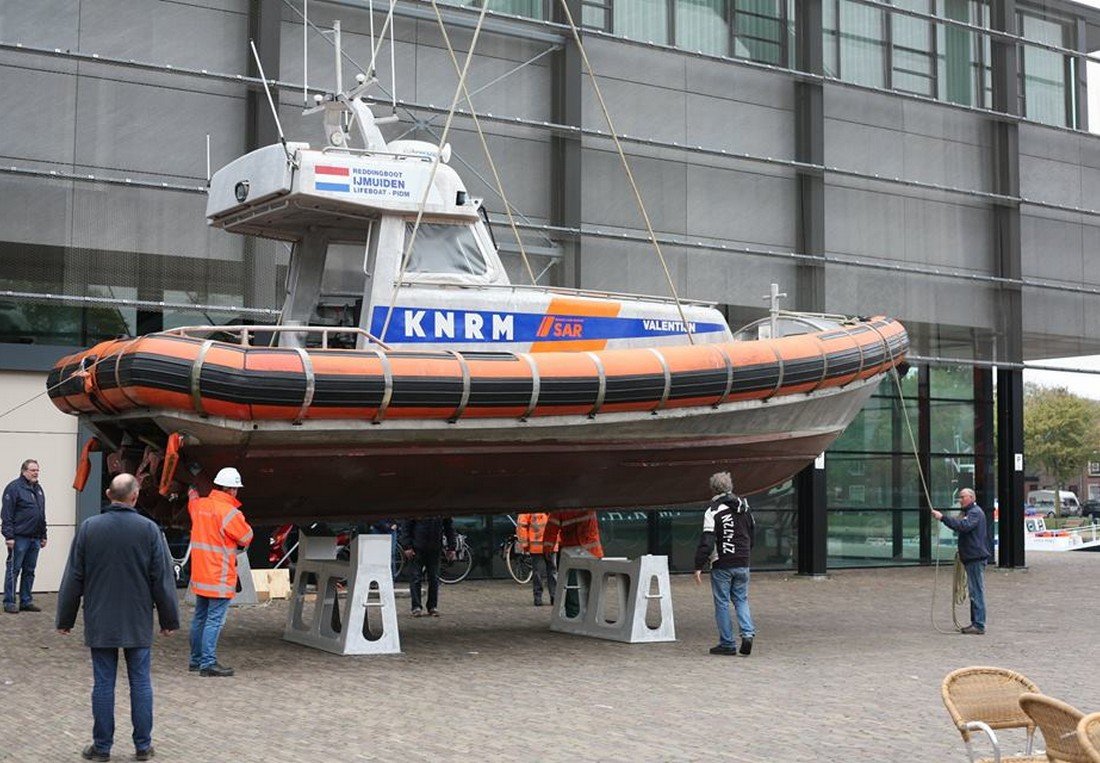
x,y
1043,501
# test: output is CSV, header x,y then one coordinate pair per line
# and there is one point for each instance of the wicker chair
x,y
1058,722
1088,735
984,699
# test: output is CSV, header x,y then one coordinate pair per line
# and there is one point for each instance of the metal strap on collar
x,y
311,383
536,384
824,364
387,379
886,351
462,403
118,378
668,379
729,374
602,393
196,375
779,378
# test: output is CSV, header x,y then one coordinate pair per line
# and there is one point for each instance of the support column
x,y
1007,258
809,292
924,449
567,82
813,523
1010,466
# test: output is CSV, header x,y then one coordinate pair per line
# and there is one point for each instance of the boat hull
x,y
346,470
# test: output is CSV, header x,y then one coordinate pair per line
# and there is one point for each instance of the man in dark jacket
x,y
728,530
422,540
23,524
120,566
974,552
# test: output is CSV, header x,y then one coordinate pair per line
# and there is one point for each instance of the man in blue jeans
x,y
974,552
23,523
119,564
728,530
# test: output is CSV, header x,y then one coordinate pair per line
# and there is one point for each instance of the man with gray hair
x,y
974,552
728,529
120,566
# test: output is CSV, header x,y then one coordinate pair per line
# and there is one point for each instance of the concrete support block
x,y
610,598
361,621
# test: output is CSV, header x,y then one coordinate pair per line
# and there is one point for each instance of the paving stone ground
x,y
846,668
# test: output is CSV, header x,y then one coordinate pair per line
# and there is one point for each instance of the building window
x,y
861,36
869,46
912,53
962,56
641,20
703,25
758,30
1094,468
1046,94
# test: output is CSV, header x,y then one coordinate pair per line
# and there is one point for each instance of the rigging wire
x,y
485,146
626,167
959,589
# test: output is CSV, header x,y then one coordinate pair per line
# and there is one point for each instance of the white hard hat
x,y
229,477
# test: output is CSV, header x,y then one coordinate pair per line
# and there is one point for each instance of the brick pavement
x,y
846,668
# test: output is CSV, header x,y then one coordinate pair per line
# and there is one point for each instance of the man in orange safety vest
x,y
530,529
578,531
218,532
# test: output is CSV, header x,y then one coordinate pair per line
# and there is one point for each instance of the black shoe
x,y
972,630
216,670
91,753
746,646
12,610
146,754
538,602
192,668
30,608
724,650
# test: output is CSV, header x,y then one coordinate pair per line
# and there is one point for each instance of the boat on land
x,y
410,376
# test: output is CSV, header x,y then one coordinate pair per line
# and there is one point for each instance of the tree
x,y
1060,433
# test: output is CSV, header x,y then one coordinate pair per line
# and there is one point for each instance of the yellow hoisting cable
x,y
485,146
626,167
959,589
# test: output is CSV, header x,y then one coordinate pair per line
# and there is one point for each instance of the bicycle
x,y
451,571
518,561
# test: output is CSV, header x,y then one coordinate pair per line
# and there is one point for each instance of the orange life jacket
x,y
575,529
530,529
218,528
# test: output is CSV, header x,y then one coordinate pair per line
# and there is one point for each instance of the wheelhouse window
x,y
445,248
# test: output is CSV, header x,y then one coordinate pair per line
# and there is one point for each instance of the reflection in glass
x,y
642,20
702,25
861,44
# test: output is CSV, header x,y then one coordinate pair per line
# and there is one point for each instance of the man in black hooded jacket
x,y
728,529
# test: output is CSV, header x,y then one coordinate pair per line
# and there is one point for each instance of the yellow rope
x,y
959,590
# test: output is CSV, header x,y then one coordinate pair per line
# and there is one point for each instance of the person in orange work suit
x,y
218,531
530,529
578,530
